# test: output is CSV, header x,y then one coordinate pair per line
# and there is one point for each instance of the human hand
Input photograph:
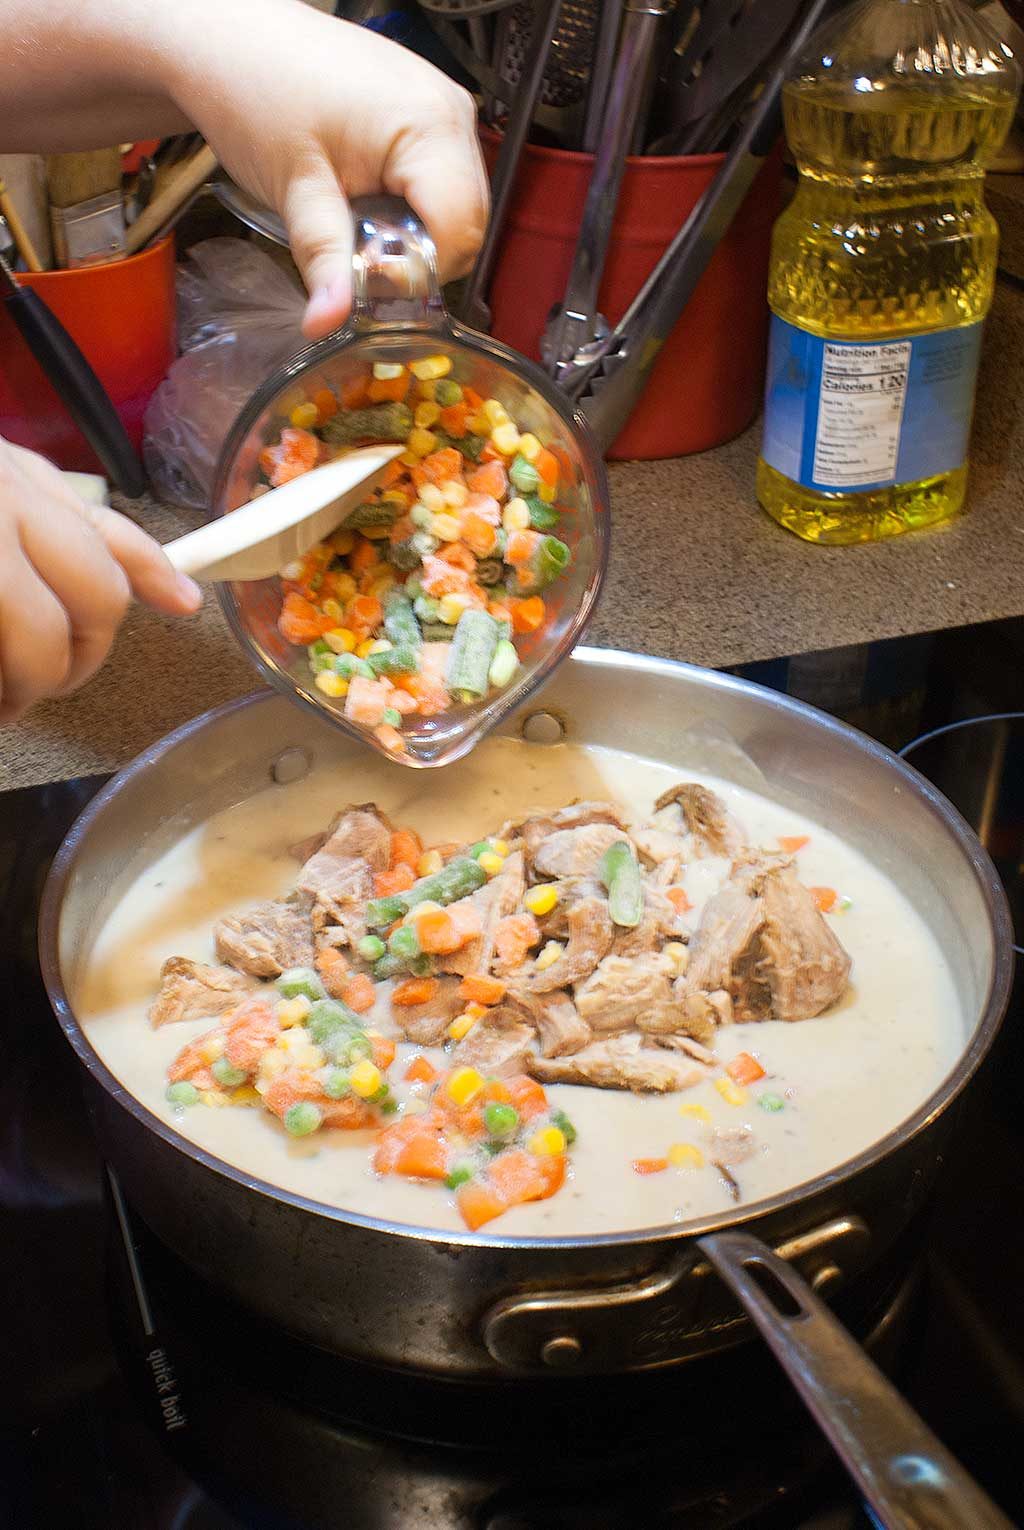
x,y
67,573
305,111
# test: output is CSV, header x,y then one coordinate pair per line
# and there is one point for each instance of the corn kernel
x,y
430,368
292,1042
480,425
549,955
293,1011
421,442
516,515
376,533
426,389
505,438
331,684
408,459
332,609
426,414
416,1105
308,1057
445,528
304,416
245,1094
546,493
540,900
387,371
379,587
364,1078
340,640
344,586
731,1093
461,1026
454,493
364,648
683,1155
431,496
490,862
451,607
678,955
212,1048
213,1097
529,446
548,1142
429,863
696,1112
421,517
477,1011
464,1085
273,1063
494,412
380,645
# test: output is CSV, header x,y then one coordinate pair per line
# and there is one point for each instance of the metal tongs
x,y
607,372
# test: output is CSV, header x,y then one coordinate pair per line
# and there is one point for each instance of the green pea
x,y
336,1085
501,1120
344,1047
447,392
371,948
565,1126
182,1094
301,1119
459,1176
771,1102
477,850
227,1074
300,982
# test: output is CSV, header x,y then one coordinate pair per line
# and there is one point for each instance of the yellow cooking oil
x,y
883,269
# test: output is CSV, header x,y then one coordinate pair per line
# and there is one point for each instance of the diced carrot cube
x,y
477,1204
825,897
546,464
424,1156
398,880
527,1096
300,621
326,404
489,478
367,701
744,1069
440,578
513,937
383,1048
478,988
383,390
459,556
453,419
443,466
518,1176
406,848
527,615
437,933
359,993
472,398
678,898
414,991
354,392
649,1165
521,546
363,555
791,843
420,1071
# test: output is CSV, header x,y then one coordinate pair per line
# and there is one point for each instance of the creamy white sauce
x,y
848,1078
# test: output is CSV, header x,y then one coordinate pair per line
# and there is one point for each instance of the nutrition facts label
x,y
860,411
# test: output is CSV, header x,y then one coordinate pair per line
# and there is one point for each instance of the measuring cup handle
x,y
394,267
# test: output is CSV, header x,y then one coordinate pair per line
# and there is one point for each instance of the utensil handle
x,y
19,233
394,267
75,381
472,306
907,1475
181,188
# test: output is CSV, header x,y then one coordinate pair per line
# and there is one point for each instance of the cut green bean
x,y
321,656
504,664
542,517
300,982
347,665
550,559
620,873
373,513
426,608
380,422
458,879
476,637
438,632
328,1016
402,660
524,475
489,572
380,912
400,622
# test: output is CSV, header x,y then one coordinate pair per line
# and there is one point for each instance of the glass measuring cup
x,y
398,315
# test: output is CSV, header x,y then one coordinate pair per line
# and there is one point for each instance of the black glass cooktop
x,y
180,1414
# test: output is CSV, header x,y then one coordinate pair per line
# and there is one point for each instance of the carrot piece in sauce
x,y
359,993
387,883
420,1071
825,897
791,843
414,991
649,1165
678,898
744,1069
406,848
478,988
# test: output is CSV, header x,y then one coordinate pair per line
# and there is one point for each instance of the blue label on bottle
x,y
844,418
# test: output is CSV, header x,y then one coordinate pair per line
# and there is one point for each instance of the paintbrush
x,y
26,249
86,207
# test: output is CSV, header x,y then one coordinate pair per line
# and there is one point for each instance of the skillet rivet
x,y
291,765
543,728
562,1351
825,1279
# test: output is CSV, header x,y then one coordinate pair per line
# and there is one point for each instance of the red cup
x,y
707,384
121,316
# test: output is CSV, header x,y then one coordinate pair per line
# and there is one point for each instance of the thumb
x,y
319,226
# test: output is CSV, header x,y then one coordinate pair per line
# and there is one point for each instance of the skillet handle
x,y
907,1476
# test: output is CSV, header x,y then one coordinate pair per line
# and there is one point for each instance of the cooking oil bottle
x,y
883,268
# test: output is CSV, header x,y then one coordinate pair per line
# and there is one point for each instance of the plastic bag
x,y
239,317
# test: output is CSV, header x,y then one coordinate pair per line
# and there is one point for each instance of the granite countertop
x,y
698,573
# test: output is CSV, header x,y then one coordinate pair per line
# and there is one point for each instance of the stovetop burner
x,y
210,1423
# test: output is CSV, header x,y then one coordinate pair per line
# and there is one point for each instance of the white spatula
x,y
260,538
